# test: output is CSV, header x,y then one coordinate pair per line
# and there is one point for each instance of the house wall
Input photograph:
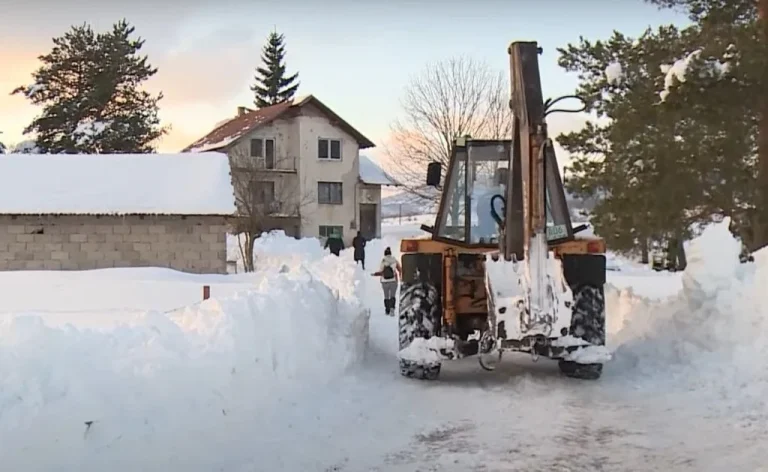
x,y
288,191
189,244
313,125
283,131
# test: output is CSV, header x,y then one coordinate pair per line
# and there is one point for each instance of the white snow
x,y
589,355
712,330
125,369
425,351
89,131
679,69
185,184
208,147
135,394
28,146
614,73
370,173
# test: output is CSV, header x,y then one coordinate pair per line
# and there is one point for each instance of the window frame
x,y
328,227
331,186
263,160
328,142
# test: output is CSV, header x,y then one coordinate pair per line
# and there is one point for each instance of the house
x,y
296,166
80,211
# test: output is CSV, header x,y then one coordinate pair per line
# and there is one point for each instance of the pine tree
x,y
733,101
635,164
272,86
89,88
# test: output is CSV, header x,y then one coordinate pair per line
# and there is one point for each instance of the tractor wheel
x,y
580,371
418,318
587,323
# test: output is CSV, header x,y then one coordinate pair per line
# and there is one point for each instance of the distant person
x,y
334,244
389,280
359,244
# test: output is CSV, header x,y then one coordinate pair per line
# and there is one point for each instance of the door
x,y
368,221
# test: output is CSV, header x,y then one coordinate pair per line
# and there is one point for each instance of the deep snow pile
x,y
713,332
212,373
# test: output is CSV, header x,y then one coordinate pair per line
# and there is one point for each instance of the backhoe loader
x,y
503,269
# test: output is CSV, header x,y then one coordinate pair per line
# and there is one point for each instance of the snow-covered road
x,y
524,416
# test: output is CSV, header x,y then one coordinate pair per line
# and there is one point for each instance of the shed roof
x,y
116,184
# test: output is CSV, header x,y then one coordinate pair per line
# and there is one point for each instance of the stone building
x,y
76,212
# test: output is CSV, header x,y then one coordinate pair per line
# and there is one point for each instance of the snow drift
x,y
120,399
714,331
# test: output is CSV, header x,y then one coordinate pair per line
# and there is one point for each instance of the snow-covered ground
x,y
294,368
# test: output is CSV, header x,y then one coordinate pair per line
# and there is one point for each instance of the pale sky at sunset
x,y
354,56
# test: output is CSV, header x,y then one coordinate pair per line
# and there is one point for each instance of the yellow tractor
x,y
504,269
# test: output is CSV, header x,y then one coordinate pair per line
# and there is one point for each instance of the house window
x,y
327,231
264,152
329,193
329,149
269,153
262,192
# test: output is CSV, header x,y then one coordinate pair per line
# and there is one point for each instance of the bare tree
x,y
449,99
269,195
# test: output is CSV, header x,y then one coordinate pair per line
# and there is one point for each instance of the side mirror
x,y
434,170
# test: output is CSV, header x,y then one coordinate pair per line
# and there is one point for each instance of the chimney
x,y
240,111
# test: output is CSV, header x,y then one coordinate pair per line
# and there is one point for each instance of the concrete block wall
x,y
190,244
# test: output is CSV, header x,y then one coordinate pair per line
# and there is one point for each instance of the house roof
x,y
116,184
370,173
233,129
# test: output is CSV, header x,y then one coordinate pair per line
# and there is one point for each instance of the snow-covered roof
x,y
116,184
372,174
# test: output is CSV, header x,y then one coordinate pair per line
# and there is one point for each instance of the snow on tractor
x,y
504,269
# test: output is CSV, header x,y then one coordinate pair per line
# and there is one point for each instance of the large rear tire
x,y
587,323
418,318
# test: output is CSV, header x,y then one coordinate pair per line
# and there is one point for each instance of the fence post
x,y
206,292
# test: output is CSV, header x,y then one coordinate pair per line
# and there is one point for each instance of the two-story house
x,y
296,166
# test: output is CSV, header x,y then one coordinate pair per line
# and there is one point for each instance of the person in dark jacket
x,y
359,244
335,244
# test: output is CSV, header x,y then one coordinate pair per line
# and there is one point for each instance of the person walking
x,y
334,243
390,272
358,242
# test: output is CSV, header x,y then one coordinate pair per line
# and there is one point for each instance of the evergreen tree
x,y
626,162
731,101
2,146
679,147
89,88
272,86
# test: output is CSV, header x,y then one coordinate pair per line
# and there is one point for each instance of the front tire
x,y
418,316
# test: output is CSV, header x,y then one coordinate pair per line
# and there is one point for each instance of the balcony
x,y
279,165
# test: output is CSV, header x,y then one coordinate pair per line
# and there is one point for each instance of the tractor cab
x,y
479,184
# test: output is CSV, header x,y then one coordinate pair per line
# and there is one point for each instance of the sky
x,y
356,57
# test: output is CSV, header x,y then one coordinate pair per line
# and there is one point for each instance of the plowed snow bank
x,y
273,250
212,374
715,328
